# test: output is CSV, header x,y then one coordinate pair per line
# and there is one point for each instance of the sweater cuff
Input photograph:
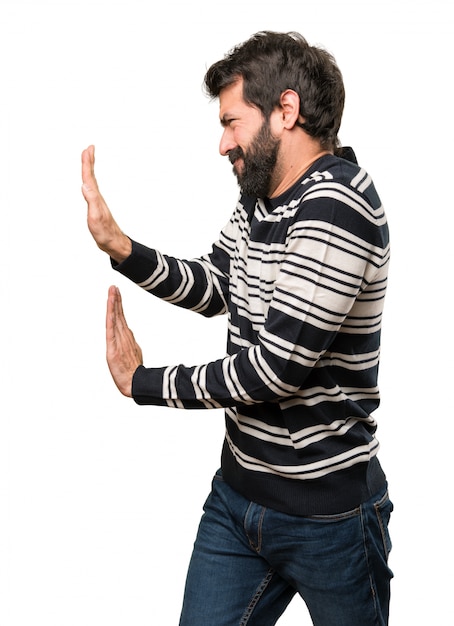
x,y
139,265
147,386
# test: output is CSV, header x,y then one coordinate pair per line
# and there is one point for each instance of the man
x,y
300,503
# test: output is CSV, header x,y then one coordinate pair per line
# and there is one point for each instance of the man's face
x,y
257,163
248,142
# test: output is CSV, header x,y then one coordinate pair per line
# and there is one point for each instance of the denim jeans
x,y
249,561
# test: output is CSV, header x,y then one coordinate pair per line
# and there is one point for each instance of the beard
x,y
259,163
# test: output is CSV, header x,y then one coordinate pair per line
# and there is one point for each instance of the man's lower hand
x,y
123,353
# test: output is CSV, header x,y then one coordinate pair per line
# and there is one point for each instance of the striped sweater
x,y
302,278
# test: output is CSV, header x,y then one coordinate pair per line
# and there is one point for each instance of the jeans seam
x,y
256,547
258,594
259,529
369,573
381,524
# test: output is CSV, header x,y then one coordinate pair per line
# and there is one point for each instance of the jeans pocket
x,y
383,509
335,517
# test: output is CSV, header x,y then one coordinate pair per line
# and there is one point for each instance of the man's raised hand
x,y
103,227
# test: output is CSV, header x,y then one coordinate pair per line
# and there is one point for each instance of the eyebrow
x,y
225,119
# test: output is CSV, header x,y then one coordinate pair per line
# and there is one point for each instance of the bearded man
x,y
300,503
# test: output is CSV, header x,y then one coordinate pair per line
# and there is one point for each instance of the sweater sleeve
x,y
199,285
322,271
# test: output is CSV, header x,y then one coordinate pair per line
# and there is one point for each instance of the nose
x,y
227,143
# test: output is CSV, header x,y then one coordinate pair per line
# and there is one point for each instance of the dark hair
x,y
270,63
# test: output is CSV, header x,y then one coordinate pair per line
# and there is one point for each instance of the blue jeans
x,y
249,561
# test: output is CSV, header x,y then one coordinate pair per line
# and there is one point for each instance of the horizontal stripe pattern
x,y
317,469
303,279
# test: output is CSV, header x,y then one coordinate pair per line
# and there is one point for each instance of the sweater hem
x,y
335,493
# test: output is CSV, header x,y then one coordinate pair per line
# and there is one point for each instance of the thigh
x,y
228,582
338,563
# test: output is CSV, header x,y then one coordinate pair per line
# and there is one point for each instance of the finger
x,y
88,170
111,316
116,318
123,335
120,316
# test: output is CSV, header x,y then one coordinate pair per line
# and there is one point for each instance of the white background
x,y
99,498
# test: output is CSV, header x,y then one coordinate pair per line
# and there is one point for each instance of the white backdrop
x,y
100,498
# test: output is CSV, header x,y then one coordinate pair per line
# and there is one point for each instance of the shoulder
x,y
338,181
342,194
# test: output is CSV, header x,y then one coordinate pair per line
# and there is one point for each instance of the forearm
x,y
251,376
197,285
275,363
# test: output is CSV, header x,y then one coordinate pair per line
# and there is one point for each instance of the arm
x,y
267,371
322,272
123,354
200,285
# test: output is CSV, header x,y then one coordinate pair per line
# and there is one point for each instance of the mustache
x,y
236,153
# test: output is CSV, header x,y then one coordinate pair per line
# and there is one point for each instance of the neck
x,y
294,172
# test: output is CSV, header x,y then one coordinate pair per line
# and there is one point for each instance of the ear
x,y
290,108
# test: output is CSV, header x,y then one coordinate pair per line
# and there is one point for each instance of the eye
x,y
228,121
